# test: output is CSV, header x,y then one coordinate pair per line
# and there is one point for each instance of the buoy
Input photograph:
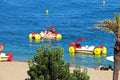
x,y
97,51
103,2
46,11
58,37
71,49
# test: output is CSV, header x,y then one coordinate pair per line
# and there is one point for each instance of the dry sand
x,y
18,71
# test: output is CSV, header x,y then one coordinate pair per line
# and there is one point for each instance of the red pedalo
x,y
10,57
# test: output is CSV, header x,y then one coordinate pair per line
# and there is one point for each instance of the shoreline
x,y
17,70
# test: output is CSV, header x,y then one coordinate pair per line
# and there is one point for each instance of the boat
x,y
5,56
49,34
74,47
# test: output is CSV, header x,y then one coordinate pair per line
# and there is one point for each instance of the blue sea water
x,y
71,18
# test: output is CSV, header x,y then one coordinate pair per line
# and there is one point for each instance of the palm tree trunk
x,y
116,64
117,55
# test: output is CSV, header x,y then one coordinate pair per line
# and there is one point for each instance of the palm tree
x,y
114,26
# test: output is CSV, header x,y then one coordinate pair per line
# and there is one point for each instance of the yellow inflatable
x,y
30,36
58,36
37,37
97,51
104,50
71,49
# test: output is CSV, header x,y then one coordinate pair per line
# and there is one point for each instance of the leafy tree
x,y
114,26
48,64
79,75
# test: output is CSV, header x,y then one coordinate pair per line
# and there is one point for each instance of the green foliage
x,y
78,75
117,18
111,25
48,64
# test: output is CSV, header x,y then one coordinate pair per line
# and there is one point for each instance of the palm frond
x,y
117,18
107,25
111,25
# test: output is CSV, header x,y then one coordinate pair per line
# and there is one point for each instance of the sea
x,y
71,18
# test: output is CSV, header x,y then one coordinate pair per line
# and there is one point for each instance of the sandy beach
x,y
18,71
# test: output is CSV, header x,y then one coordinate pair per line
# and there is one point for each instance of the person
x,y
101,67
110,67
49,33
104,68
1,48
78,46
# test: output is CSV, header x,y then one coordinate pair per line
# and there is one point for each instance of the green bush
x,y
48,64
79,75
